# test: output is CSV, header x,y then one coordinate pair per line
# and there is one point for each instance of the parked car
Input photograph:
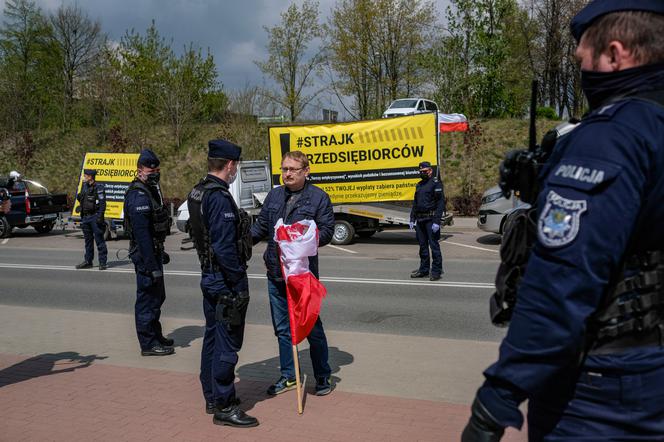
x,y
31,205
410,106
493,210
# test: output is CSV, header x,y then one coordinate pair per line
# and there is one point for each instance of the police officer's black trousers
x,y
93,232
610,406
219,354
150,296
428,239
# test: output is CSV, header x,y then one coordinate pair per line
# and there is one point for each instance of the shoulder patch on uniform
x,y
583,173
228,216
142,208
560,220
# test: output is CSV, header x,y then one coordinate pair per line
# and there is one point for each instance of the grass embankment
x,y
469,160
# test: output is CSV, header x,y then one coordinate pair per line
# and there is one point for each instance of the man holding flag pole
x,y
303,213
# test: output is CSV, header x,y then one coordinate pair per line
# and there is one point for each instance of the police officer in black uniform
x,y
147,222
425,216
5,201
585,345
92,200
221,234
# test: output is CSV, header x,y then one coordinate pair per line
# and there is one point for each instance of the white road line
x,y
5,241
332,279
471,247
341,248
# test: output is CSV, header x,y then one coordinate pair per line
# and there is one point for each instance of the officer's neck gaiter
x,y
600,87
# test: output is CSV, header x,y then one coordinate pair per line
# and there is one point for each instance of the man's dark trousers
x,y
92,232
280,320
429,239
150,295
219,354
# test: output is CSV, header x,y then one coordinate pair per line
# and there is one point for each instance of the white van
x,y
410,106
248,190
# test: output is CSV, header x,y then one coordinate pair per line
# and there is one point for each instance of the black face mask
x,y
152,178
600,87
424,175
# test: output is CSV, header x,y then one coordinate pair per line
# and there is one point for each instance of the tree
x,y
79,40
481,65
27,67
142,65
189,80
374,49
26,71
289,63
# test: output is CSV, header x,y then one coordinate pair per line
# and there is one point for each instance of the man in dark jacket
x,y
148,223
585,345
217,228
92,200
425,216
296,200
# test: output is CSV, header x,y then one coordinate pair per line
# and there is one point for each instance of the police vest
x,y
159,217
89,201
618,323
200,233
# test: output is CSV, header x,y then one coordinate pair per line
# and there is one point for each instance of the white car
x,y
410,106
493,210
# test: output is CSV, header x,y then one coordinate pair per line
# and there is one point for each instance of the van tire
x,y
344,233
5,228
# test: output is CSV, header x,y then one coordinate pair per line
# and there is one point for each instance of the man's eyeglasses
x,y
291,169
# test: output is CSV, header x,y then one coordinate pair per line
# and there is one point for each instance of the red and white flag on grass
x,y
297,242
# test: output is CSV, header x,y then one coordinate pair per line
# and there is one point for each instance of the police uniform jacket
x,y
220,217
429,197
100,192
313,203
138,209
602,194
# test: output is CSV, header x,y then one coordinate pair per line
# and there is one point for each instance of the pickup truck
x,y
31,205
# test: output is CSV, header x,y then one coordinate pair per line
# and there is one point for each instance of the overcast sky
x,y
231,29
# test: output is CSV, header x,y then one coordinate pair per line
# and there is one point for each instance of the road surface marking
x,y
471,247
332,279
341,248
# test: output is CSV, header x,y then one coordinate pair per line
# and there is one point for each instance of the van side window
x,y
431,106
420,105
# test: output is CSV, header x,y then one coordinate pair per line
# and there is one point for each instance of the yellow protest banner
x,y
361,161
115,171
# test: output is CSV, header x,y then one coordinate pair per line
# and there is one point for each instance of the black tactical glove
x,y
165,258
482,426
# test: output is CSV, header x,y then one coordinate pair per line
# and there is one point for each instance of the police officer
x,y
147,222
5,201
92,200
221,234
296,200
425,216
585,344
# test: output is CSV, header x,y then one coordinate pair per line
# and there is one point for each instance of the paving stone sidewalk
x,y
61,379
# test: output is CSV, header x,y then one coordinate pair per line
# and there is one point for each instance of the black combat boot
x,y
234,417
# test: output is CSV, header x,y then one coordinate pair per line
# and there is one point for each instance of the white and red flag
x,y
297,242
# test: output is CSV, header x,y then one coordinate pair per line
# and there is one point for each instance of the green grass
x,y
469,161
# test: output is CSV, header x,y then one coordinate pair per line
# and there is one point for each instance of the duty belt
x,y
430,213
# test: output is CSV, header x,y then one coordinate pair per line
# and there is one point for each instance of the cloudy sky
x,y
231,29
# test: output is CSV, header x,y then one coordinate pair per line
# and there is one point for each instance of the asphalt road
x,y
369,288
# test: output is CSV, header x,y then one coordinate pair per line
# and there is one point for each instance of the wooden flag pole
x,y
298,384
